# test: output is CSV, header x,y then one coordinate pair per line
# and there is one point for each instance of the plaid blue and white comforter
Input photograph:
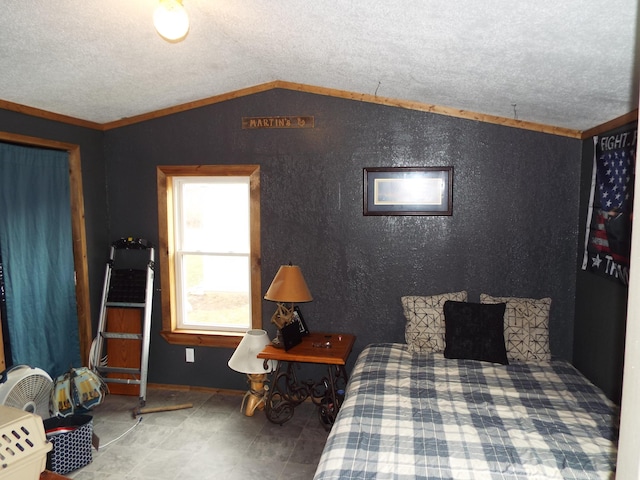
x,y
410,416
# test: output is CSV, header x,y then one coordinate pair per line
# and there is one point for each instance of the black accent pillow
x,y
475,331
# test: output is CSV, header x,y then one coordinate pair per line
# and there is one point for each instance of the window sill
x,y
202,339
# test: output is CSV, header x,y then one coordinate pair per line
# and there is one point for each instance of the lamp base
x,y
256,397
277,341
283,315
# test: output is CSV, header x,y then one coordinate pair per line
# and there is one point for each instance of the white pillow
x,y
424,331
526,327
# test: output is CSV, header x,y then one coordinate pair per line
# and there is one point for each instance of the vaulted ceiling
x,y
570,64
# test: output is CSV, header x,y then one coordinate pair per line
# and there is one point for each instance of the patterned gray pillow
x,y
526,327
424,331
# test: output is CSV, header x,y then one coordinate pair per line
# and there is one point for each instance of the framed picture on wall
x,y
408,191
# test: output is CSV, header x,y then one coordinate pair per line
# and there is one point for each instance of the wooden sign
x,y
277,122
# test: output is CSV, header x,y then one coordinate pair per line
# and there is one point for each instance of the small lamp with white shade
x,y
245,360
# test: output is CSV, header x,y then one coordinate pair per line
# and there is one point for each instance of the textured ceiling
x,y
568,64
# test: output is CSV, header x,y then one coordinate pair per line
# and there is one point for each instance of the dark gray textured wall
x,y
514,229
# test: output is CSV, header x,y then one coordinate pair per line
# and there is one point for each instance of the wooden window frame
x,y
170,331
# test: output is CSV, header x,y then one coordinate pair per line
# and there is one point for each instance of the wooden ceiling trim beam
x,y
57,117
425,107
190,105
331,92
362,97
611,125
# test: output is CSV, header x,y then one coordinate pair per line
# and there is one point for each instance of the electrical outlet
x,y
190,357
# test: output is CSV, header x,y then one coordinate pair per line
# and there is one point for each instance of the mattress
x,y
419,416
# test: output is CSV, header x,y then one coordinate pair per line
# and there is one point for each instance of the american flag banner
x,y
608,232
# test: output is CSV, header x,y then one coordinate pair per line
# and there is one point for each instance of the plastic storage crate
x,y
23,445
71,437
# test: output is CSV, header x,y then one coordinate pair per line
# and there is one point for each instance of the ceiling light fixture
x,y
171,20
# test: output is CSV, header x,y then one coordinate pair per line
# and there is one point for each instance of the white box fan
x,y
27,388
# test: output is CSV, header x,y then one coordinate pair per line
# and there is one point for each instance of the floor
x,y
213,439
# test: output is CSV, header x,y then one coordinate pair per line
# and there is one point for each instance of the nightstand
x,y
286,392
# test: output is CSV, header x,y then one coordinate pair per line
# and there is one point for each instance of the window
x,y
209,220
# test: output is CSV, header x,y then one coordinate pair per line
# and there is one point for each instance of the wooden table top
x,y
314,349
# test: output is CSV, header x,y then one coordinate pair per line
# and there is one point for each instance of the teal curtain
x,y
37,255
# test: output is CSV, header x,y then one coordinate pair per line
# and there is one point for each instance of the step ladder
x,y
132,289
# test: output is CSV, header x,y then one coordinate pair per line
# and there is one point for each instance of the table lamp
x,y
288,286
245,360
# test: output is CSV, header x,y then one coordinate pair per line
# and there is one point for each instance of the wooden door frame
x,y
78,234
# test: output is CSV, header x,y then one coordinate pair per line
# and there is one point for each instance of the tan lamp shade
x,y
288,286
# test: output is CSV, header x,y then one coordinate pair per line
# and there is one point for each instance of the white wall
x,y
629,446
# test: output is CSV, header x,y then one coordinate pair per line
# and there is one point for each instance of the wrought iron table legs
x,y
287,392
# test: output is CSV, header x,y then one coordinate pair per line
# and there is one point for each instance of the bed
x,y
413,413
